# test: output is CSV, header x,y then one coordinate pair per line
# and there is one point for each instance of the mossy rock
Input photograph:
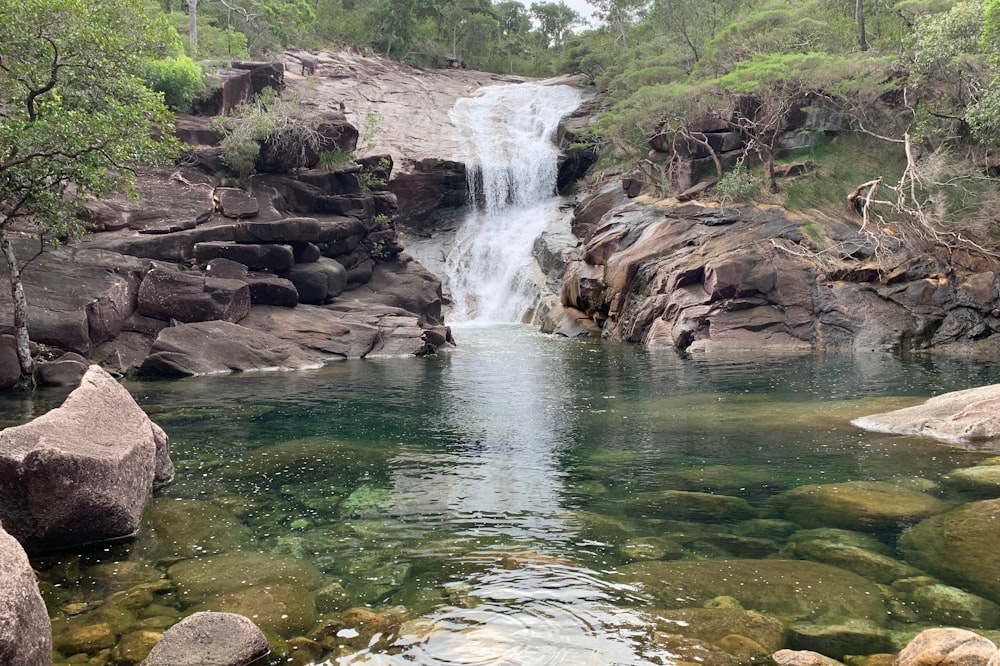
x,y
286,610
791,590
873,566
199,579
867,506
685,505
190,528
960,547
983,481
714,624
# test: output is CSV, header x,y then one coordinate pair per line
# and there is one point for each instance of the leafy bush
x,y
740,184
179,79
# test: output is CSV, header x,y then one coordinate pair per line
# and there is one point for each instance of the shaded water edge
x,y
535,500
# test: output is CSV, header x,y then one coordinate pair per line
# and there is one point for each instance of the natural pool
x,y
528,499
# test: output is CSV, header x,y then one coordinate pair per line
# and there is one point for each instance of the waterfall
x,y
511,160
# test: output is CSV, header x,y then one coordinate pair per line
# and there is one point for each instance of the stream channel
x,y
527,499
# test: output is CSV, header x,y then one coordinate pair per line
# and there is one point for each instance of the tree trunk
x,y
193,25
20,308
859,16
768,162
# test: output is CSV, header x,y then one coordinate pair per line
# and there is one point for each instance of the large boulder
x,y
258,256
209,639
25,630
77,298
972,415
404,283
960,547
319,281
191,297
82,472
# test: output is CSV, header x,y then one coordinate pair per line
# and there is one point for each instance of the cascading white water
x,y
512,164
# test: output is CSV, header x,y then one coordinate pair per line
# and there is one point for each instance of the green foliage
x,y
62,124
738,184
376,178
845,162
330,160
280,123
180,80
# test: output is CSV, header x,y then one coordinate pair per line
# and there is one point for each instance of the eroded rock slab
x,y
961,417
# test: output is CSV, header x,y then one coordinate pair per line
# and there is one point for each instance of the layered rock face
x,y
166,285
697,277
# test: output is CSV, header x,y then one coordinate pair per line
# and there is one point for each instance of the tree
x,y
555,20
619,15
74,116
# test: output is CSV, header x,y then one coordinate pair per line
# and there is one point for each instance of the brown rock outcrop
x,y
700,278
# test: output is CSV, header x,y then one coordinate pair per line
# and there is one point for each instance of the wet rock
x,y
80,473
287,610
209,639
189,297
857,505
685,505
838,641
190,528
945,604
217,346
873,566
25,630
726,479
651,548
960,547
947,647
209,576
802,658
88,639
714,624
135,646
333,598
982,480
787,589
960,416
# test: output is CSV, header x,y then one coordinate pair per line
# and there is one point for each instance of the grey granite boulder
x,y
82,472
209,639
25,630
318,281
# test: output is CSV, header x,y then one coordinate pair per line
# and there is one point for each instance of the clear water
x,y
484,497
511,161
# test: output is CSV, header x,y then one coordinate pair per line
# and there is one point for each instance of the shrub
x,y
179,79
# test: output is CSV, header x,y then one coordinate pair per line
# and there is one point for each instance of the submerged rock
x,y
960,547
873,566
205,577
788,589
682,505
189,528
715,624
857,505
945,604
947,647
82,472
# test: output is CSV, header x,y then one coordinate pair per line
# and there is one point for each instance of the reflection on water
x,y
506,503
